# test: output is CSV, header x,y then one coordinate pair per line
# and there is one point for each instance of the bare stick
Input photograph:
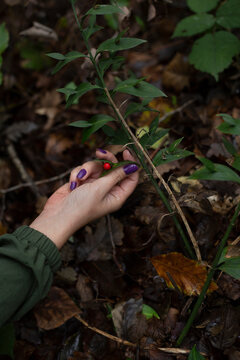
x,y
128,343
173,112
19,165
36,183
155,171
113,243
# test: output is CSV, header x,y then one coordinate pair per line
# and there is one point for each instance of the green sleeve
x,y
27,262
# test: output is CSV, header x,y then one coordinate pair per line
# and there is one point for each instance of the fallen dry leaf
x,y
188,275
55,310
57,144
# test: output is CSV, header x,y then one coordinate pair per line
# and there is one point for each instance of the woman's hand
x,y
86,197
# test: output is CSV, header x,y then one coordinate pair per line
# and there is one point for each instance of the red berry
x,y
106,166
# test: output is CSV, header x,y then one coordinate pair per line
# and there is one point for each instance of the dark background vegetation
x,y
34,129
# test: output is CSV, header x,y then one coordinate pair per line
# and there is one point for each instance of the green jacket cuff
x,y
42,242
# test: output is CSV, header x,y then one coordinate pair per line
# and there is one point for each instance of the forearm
x,y
27,262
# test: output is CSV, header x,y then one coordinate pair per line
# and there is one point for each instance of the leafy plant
x,y
195,355
149,312
4,40
214,51
212,171
118,131
104,59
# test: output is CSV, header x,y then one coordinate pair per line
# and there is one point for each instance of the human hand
x,y
86,197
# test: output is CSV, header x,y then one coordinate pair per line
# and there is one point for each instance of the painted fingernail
x,y
102,151
81,173
130,168
73,185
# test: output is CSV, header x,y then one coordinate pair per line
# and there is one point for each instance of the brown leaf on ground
x,y
229,286
84,289
176,74
188,275
3,229
57,144
223,327
55,310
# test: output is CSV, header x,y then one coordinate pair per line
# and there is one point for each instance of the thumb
x,y
107,182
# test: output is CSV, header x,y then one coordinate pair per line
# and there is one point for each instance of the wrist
x,y
53,227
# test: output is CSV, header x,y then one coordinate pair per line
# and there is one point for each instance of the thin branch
x,y
20,167
155,171
179,109
175,351
36,183
113,244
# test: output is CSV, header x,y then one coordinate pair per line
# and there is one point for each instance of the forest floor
x,y
106,264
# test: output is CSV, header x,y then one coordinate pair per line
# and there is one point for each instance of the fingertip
x,y
127,155
81,174
101,151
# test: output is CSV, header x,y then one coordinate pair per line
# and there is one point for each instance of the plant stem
x,y
155,171
209,277
166,203
140,149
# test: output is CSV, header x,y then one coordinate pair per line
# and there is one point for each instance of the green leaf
x,y
7,340
134,107
231,266
111,20
229,146
74,95
228,118
4,38
65,59
121,44
236,163
96,122
149,312
56,56
164,156
194,24
213,53
141,89
208,164
200,6
89,31
149,139
228,14
80,123
108,130
119,137
104,9
222,257
221,173
230,125
175,144
195,355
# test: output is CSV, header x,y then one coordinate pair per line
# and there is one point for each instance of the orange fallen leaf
x,y
188,275
55,310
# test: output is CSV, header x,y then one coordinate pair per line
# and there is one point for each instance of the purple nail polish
x,y
130,168
73,185
102,151
81,174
